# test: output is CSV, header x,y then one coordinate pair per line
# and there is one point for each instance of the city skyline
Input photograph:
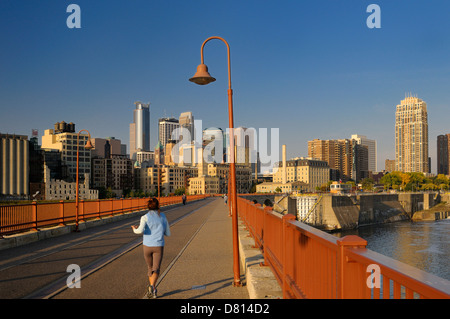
x,y
313,70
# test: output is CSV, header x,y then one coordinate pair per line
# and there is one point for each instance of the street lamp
x,y
88,146
202,77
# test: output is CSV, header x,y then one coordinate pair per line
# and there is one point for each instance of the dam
x,y
331,212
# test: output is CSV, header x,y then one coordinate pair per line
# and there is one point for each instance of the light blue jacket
x,y
154,227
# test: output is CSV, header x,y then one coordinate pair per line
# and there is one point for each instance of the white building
x,y
305,205
140,129
56,189
166,127
372,150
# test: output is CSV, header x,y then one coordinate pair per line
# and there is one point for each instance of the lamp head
x,y
88,145
202,76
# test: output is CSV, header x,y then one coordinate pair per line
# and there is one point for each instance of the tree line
x,y
414,181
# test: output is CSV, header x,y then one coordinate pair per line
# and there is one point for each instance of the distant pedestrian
x,y
225,199
184,199
154,226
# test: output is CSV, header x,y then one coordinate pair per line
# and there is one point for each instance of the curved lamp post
x,y
203,77
88,146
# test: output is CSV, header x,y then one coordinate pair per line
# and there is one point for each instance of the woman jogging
x,y
154,226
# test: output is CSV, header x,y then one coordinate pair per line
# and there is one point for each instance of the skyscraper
x,y
166,127
187,121
411,136
140,129
372,150
443,154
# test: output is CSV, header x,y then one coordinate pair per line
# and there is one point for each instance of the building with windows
x,y
306,205
166,126
411,136
279,187
186,121
204,185
114,173
145,158
64,139
140,129
314,173
14,165
389,165
443,154
105,147
56,189
222,171
346,158
171,178
371,150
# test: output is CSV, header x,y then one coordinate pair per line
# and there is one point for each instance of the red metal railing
x,y
309,263
18,218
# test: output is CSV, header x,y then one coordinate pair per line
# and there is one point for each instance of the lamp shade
x,y
88,145
202,76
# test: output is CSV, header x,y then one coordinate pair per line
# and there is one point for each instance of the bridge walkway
x,y
197,264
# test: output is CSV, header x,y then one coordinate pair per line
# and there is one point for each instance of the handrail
x,y
26,217
310,263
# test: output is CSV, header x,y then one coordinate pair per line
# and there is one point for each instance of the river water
x,y
424,245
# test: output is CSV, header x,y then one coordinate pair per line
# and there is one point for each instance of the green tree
x,y
441,179
179,191
392,180
277,190
367,184
110,193
416,179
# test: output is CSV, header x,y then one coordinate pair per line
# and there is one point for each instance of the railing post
x,y
351,241
121,205
35,218
284,247
264,235
61,213
98,208
112,207
81,210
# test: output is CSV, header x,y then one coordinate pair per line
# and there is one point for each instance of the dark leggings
x,y
153,257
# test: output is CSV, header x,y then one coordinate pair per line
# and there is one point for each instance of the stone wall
x,y
380,208
351,211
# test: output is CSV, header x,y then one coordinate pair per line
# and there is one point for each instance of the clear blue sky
x,y
311,68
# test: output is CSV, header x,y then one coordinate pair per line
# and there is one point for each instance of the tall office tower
x,y
411,136
14,166
360,161
187,121
372,150
443,154
64,139
166,127
140,129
